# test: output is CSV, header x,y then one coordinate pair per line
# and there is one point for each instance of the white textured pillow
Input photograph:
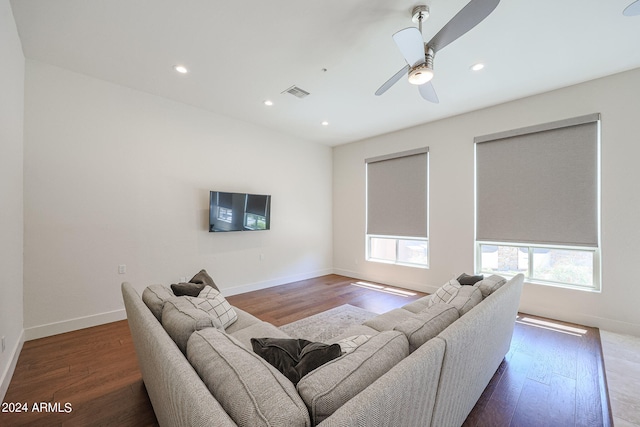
x,y
212,301
445,293
347,345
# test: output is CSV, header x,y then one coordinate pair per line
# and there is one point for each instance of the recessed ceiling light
x,y
477,67
325,123
181,69
268,102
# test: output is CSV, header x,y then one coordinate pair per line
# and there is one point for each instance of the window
x,y
397,208
538,203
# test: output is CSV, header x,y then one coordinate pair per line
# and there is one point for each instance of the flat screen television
x,y
239,212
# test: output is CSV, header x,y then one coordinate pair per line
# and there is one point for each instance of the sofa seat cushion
x,y
427,324
180,318
349,344
244,321
257,330
352,331
327,388
389,320
490,284
154,297
295,358
466,298
418,305
250,390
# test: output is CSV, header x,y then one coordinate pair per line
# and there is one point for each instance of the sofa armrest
x,y
178,395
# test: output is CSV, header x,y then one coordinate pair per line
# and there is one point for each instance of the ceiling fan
x,y
633,9
419,55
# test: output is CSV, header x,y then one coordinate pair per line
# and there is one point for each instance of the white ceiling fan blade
x,y
393,80
428,92
633,9
470,16
411,45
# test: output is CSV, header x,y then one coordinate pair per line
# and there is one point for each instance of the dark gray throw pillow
x,y
295,358
187,289
203,278
195,285
465,279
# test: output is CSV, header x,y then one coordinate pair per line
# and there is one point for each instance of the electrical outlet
x,y
183,280
3,345
122,269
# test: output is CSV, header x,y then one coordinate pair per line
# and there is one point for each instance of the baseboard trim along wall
x,y
55,328
5,380
241,289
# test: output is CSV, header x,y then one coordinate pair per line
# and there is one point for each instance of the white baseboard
x,y
421,287
5,380
55,328
274,282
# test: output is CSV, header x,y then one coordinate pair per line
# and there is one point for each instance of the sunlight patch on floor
x,y
385,289
552,326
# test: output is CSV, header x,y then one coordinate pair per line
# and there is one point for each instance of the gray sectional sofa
x,y
425,364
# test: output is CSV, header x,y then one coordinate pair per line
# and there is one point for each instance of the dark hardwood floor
x,y
552,376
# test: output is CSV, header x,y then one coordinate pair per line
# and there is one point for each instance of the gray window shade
x,y
539,184
397,194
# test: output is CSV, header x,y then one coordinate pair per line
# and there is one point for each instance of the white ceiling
x,y
241,53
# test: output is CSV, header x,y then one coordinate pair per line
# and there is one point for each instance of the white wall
x,y
452,210
117,176
11,220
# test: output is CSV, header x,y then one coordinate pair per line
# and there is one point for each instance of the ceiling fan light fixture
x,y
420,74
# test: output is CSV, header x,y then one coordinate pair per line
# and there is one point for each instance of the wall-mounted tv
x,y
239,212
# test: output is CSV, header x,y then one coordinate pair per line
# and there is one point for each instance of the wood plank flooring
x,y
549,377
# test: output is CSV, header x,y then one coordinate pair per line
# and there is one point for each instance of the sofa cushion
x,y
203,278
212,301
154,297
180,318
418,305
348,344
445,293
467,298
387,321
427,324
295,358
259,329
250,390
466,280
327,388
490,284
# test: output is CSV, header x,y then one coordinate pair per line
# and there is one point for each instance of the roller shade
x,y
539,184
397,198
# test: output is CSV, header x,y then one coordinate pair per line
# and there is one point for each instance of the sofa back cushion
x,y
181,318
250,390
327,388
427,324
490,284
466,298
154,297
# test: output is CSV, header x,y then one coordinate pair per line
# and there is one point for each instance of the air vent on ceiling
x,y
296,91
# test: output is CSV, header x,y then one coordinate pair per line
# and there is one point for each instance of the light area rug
x,y
328,324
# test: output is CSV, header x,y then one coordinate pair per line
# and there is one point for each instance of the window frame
x,y
530,273
396,261
397,238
